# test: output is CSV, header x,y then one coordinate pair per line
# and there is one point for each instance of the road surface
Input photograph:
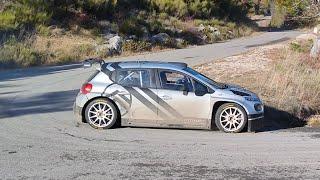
x,y
38,139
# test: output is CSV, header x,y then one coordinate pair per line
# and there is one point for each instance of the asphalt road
x,y
38,139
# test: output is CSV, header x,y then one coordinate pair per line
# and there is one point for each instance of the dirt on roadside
x,y
253,70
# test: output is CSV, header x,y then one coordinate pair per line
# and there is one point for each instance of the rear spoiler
x,y
89,62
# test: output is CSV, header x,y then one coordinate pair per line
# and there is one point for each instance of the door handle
x,y
165,97
123,93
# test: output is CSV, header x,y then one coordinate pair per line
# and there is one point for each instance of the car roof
x,y
144,64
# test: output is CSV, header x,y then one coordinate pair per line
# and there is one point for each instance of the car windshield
x,y
205,78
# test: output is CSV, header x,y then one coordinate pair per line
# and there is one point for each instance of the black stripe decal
x,y
162,103
155,98
115,65
112,94
146,102
122,104
125,98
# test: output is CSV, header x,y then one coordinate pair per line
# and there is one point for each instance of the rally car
x,y
164,94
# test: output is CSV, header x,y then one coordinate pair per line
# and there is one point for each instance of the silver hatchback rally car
x,y
164,94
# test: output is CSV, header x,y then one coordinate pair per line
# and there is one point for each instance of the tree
x,y
296,10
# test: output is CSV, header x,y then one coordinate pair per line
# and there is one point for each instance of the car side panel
x,y
187,111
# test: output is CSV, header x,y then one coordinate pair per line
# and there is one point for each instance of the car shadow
x,y
20,74
38,104
275,119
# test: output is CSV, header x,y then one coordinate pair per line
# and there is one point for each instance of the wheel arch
x,y
216,106
86,104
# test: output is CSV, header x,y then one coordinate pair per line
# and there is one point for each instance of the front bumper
x,y
255,122
77,110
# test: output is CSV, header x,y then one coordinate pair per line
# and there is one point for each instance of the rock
x,y
217,33
115,43
131,37
204,39
179,42
146,34
145,37
200,28
108,36
214,30
159,38
315,49
316,30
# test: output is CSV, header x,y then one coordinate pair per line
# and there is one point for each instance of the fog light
x,y
258,107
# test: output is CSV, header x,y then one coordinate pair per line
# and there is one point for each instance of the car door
x,y
134,84
177,99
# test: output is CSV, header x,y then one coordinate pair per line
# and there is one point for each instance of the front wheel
x,y
101,114
231,118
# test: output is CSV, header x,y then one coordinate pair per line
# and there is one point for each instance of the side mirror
x,y
86,64
200,93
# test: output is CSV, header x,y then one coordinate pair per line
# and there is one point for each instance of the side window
x,y
200,87
175,81
136,78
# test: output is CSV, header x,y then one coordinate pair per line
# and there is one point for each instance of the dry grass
x,y
293,84
313,121
64,49
286,79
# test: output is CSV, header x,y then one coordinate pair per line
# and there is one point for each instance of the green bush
x,y
14,53
177,8
99,40
301,47
131,26
24,12
201,8
8,21
43,30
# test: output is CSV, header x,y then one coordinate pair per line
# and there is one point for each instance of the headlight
x,y
258,107
252,99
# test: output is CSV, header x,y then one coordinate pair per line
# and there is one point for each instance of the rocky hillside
x,y
36,32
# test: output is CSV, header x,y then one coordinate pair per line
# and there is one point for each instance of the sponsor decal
x,y
100,100
225,107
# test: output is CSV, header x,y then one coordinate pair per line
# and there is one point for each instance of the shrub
x,y
15,53
95,31
66,58
314,121
132,26
43,30
173,7
99,40
86,50
294,85
24,13
135,46
7,21
302,46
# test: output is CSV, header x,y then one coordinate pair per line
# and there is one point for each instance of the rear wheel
x,y
101,114
231,118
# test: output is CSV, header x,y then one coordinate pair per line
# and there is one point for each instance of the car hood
x,y
238,90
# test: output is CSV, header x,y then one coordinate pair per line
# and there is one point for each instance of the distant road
x,y
202,54
38,139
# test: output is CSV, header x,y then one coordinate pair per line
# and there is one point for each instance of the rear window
x,y
134,78
91,76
